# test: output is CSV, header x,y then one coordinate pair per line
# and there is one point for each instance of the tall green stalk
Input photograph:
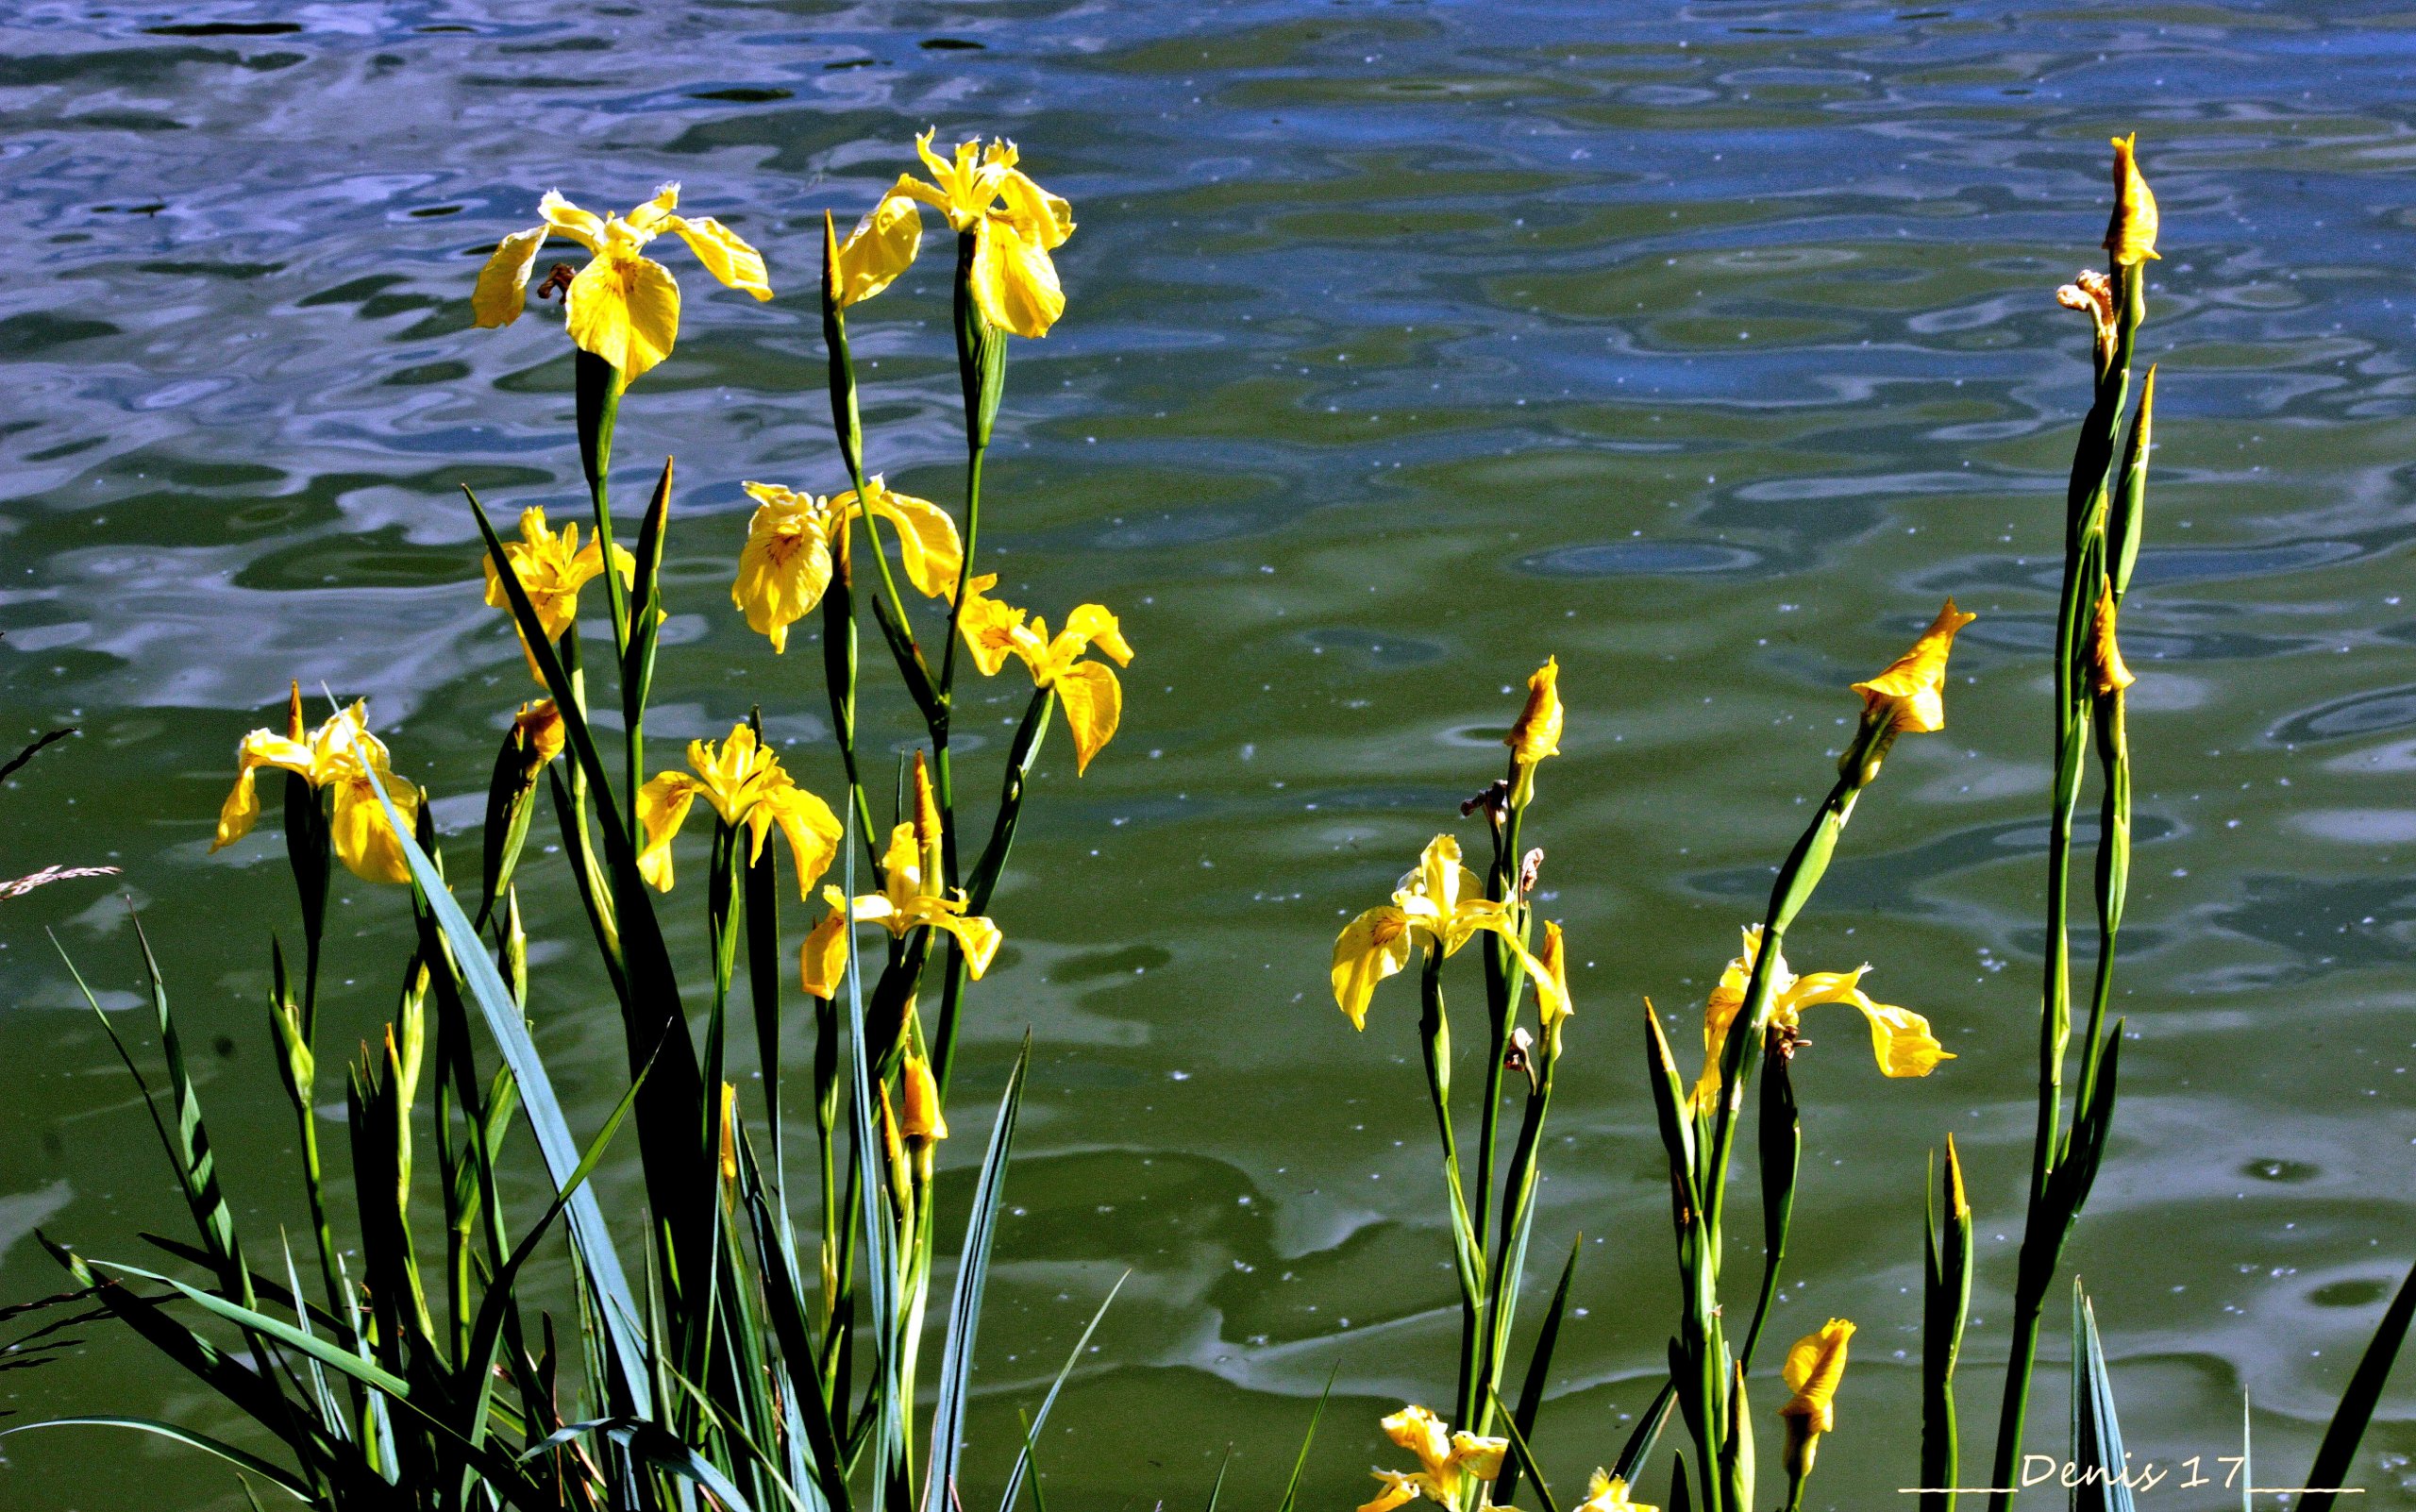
x,y
2105,515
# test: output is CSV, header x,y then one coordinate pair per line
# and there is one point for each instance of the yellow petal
x,y
1439,876
1093,624
652,216
2107,673
1910,694
725,253
919,1113
240,811
583,227
1536,733
2130,234
503,284
989,628
979,937
785,568
909,187
1398,1489
1720,1010
1550,969
1041,216
1606,1493
813,832
626,310
1813,1370
662,807
1093,702
1478,1456
1422,1434
927,546
363,837
881,246
825,957
901,865
1900,1039
1373,946
1012,280
539,729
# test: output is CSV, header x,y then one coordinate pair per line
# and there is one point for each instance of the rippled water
x,y
1706,348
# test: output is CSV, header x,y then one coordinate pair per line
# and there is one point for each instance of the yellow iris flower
x,y
623,307
334,759
785,566
1092,697
747,785
1813,1370
1605,1492
1014,223
1442,906
1900,1039
2130,233
1537,734
1909,697
552,568
908,901
1446,1461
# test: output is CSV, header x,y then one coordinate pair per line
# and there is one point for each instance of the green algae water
x,y
1407,344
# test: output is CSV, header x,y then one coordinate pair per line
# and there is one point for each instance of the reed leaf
x,y
1531,1393
600,1263
196,1164
648,1444
964,1307
242,1460
2098,1459
506,1481
2327,1477
1647,1432
1522,1456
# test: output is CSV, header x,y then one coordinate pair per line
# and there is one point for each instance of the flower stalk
x,y
2105,517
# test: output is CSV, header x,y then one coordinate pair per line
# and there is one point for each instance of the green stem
x,y
1435,1035
1517,1219
2045,1228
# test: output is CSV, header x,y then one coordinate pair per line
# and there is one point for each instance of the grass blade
x,y
1218,1489
1073,1357
1300,1462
